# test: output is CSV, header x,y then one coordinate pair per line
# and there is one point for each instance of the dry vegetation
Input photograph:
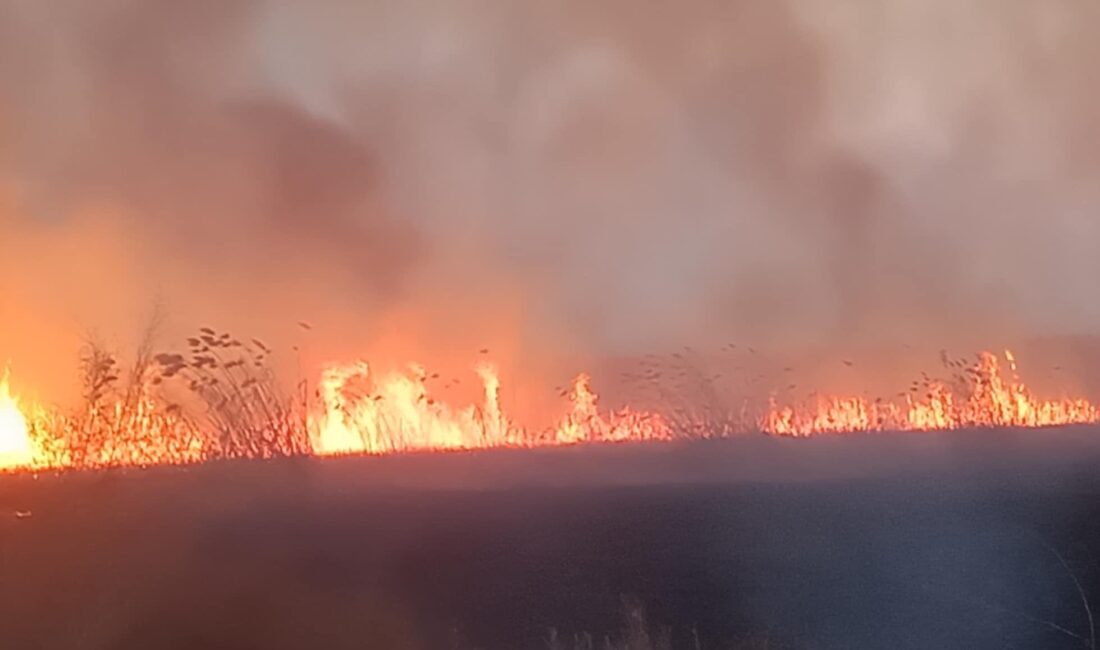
x,y
220,400
697,394
243,406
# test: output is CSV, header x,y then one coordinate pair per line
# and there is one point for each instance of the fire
x,y
983,396
139,432
584,423
15,438
364,413
359,410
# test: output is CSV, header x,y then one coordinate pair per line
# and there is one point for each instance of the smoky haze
x,y
548,179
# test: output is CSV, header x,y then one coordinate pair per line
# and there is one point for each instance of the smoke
x,y
548,179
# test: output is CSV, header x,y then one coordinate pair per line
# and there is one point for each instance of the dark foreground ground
x,y
967,540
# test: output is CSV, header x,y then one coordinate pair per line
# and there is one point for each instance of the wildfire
x,y
983,396
15,439
585,424
361,411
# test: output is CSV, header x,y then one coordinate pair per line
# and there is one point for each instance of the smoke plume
x,y
552,180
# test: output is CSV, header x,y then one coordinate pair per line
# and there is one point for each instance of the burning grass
x,y
978,395
221,399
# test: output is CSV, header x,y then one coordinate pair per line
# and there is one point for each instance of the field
x,y
970,539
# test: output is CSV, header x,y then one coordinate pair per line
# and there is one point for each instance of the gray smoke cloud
x,y
619,176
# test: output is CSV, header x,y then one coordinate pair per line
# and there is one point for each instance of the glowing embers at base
x,y
980,396
16,449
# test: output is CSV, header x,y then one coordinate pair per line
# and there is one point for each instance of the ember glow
x,y
360,411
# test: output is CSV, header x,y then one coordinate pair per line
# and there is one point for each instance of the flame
x,y
584,423
985,397
138,433
15,438
361,411
364,413
397,412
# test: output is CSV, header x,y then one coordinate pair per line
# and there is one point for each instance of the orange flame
x,y
360,411
396,412
15,439
585,423
986,398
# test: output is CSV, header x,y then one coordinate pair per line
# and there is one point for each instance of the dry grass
x,y
242,405
121,420
222,400
693,393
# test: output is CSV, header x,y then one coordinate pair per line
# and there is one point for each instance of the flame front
x,y
984,398
15,438
584,423
361,411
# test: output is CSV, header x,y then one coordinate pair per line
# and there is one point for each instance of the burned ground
x,y
960,540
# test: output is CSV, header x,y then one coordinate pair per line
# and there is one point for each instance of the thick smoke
x,y
550,179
